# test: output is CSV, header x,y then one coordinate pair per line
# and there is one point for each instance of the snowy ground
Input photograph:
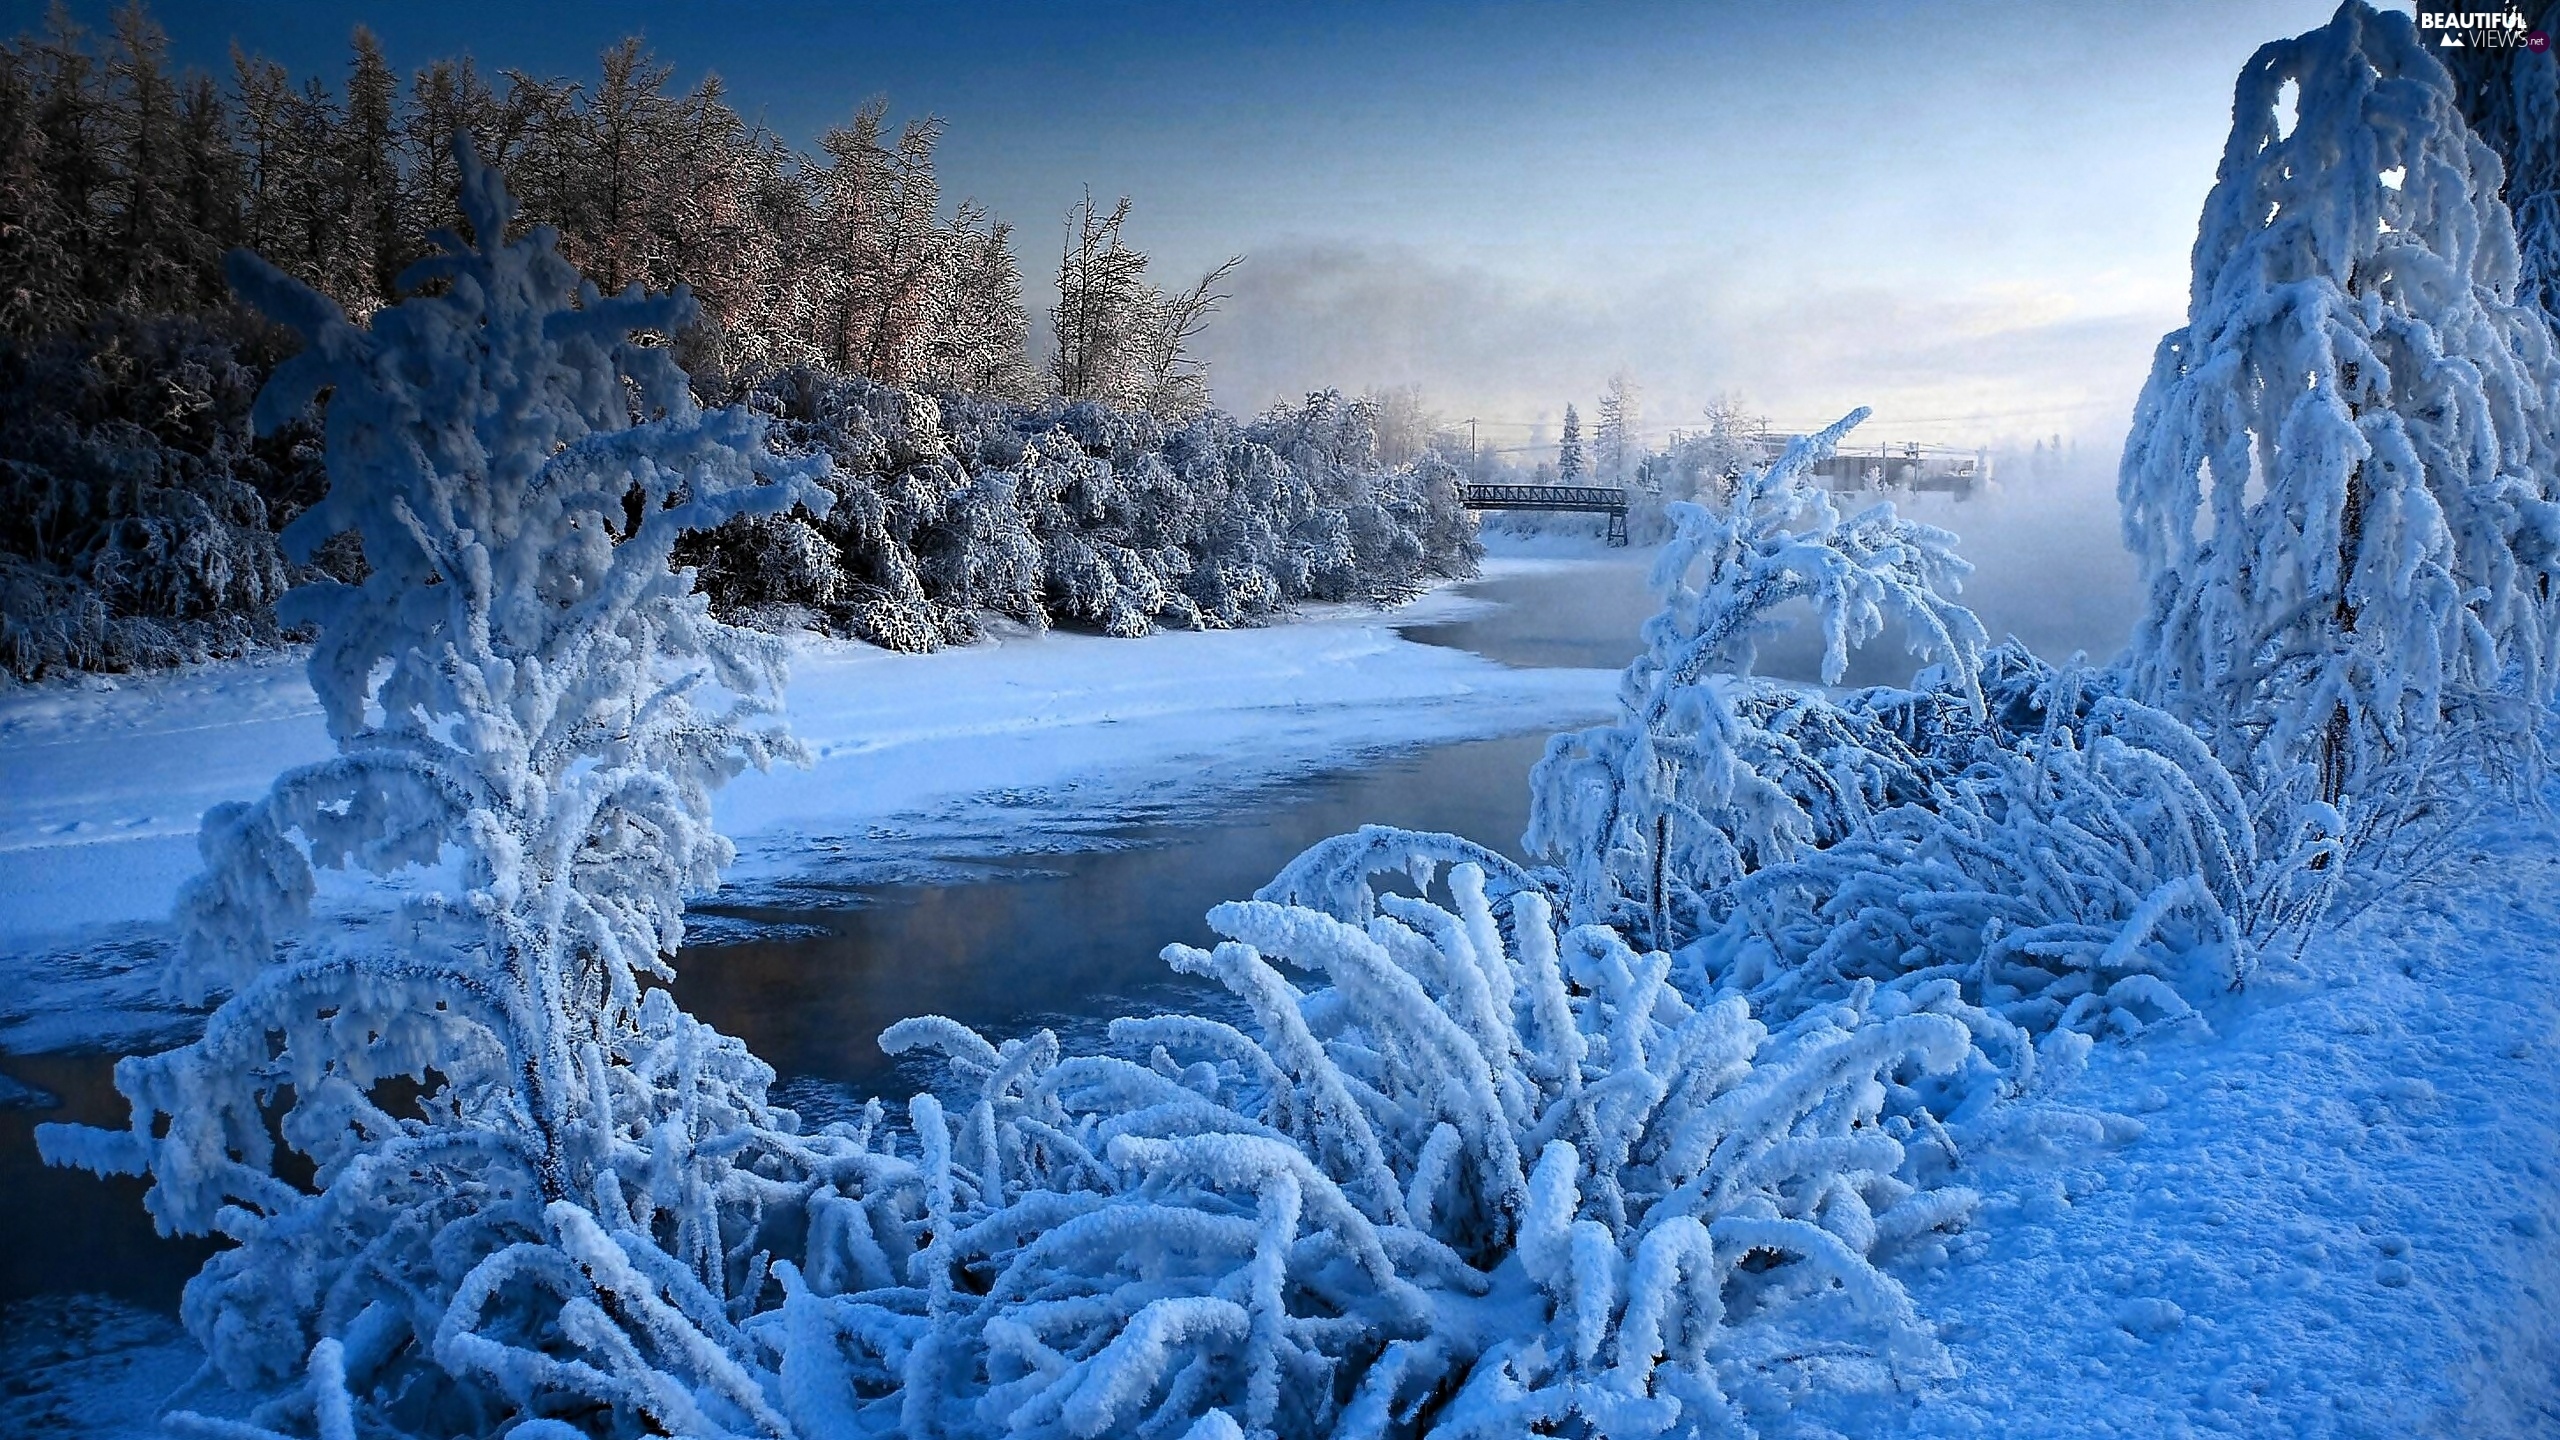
x,y
2343,1218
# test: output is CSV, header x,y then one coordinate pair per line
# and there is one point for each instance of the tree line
x,y
124,181
139,511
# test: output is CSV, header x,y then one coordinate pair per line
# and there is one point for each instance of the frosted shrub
x,y
2067,855
2340,477
472,1148
1077,514
1690,787
2088,863
136,509
1456,1170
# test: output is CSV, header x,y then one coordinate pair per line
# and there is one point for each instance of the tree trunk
x,y
2339,733
1661,842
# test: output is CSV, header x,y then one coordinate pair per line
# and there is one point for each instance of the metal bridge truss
x,y
1582,499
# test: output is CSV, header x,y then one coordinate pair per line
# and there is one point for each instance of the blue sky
x,y
1974,217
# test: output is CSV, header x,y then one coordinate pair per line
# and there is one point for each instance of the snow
x,y
2378,1111
1043,732
1055,729
2341,1218
2382,1107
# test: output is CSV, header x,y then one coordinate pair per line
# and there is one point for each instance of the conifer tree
x,y
368,176
1614,445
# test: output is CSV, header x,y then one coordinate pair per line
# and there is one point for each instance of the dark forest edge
x,y
837,295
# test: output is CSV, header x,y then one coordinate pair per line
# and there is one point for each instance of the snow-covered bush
x,y
2065,853
137,511
1077,514
1706,773
461,1147
2341,475
2085,862
1454,1170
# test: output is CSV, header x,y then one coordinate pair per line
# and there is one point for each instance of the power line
x,y
1881,419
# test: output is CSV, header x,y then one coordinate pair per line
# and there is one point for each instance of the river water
x,y
1059,940
1070,941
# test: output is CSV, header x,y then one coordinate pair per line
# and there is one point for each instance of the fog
x,y
2049,560
1977,367
2049,569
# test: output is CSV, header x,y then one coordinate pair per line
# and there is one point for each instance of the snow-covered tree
x,y
1569,461
1076,514
2339,483
1120,340
472,1148
2073,853
2511,97
976,331
1615,445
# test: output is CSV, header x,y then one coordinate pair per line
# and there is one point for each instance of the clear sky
x,y
1974,217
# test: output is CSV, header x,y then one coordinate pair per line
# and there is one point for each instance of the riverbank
x,y
1022,743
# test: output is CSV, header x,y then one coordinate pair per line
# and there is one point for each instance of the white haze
x,y
1981,367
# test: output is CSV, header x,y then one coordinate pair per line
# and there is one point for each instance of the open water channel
x,y
1060,940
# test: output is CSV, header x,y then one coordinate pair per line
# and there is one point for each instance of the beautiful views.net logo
x,y
2480,29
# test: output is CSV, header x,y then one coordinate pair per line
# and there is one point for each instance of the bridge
x,y
1582,499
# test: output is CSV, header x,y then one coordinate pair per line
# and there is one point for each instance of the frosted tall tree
x,y
1614,445
1406,426
1120,340
420,1133
978,324
2339,479
1569,462
2512,99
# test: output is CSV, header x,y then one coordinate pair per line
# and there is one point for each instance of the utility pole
x,y
1475,461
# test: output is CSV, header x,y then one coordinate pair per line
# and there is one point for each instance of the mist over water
x,y
2049,563
2049,569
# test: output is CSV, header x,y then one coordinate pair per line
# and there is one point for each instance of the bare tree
x,y
1121,340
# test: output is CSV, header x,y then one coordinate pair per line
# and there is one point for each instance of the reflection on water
x,y
75,1231
1068,941
1584,617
